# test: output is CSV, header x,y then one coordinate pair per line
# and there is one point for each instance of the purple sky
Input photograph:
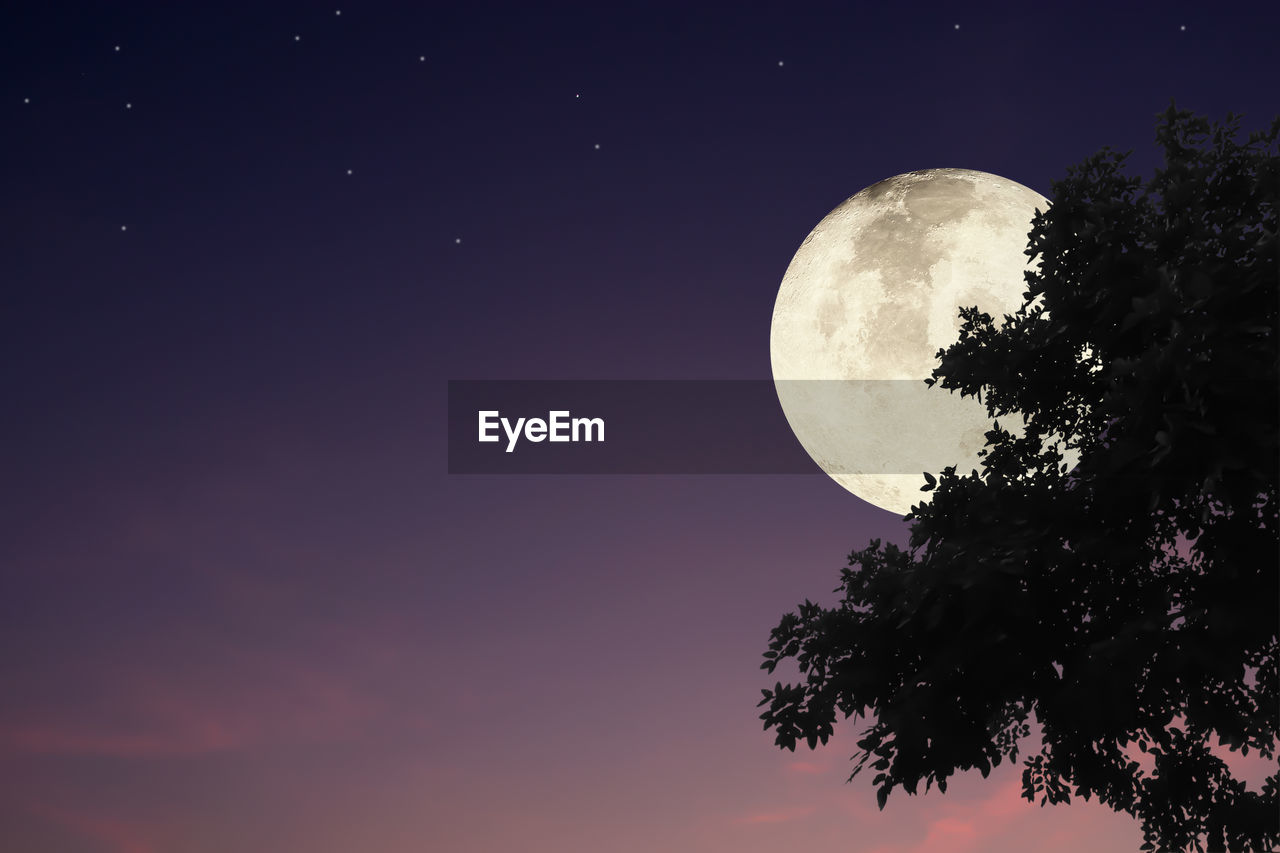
x,y
242,605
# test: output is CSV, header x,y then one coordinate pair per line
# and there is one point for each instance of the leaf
x,y
929,482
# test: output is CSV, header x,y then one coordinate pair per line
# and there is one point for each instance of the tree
x,y
1129,605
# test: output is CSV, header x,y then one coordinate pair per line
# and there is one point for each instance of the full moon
x,y
870,297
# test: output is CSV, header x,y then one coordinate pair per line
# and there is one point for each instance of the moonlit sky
x,y
243,605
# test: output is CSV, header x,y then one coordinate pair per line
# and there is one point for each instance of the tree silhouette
x,y
1128,605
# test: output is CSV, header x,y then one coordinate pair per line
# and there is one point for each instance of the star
x,y
957,26
26,100
117,48
457,240
1183,28
597,146
128,106
422,59
337,11
779,63
348,171
124,227
297,38
578,96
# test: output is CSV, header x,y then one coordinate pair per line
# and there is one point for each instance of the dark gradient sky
x,y
242,605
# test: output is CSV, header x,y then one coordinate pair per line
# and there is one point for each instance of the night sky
x,y
243,605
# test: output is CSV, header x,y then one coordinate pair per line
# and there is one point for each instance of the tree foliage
x,y
1129,605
